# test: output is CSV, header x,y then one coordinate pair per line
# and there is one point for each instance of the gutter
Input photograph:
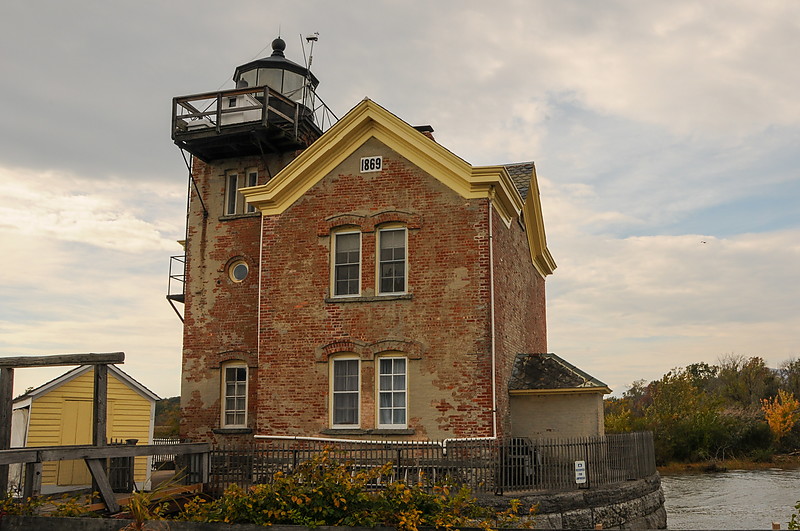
x,y
492,312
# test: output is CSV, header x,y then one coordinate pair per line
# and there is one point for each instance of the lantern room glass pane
x,y
248,79
272,77
293,86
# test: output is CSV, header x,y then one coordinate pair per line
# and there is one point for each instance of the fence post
x,y
33,480
6,408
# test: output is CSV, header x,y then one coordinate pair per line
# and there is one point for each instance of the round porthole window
x,y
238,270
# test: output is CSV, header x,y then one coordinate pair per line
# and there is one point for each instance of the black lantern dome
x,y
278,73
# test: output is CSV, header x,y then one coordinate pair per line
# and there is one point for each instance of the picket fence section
x,y
485,466
167,460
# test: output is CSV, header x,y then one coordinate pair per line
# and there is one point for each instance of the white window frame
x,y
224,396
251,179
379,262
391,391
235,180
334,392
334,243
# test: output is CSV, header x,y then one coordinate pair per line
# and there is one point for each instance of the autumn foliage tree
x,y
707,411
781,412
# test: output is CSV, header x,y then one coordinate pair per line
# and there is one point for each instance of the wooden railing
x,y
96,455
208,112
486,466
96,458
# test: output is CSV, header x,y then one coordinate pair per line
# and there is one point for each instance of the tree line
x,y
738,408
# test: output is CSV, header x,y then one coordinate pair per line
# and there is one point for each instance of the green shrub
x,y
794,522
323,491
67,505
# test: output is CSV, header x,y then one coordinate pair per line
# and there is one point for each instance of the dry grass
x,y
723,465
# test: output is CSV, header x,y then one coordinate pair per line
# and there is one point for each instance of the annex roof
x,y
548,373
505,185
27,397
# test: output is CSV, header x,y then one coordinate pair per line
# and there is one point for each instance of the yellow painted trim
x,y
568,391
369,120
534,228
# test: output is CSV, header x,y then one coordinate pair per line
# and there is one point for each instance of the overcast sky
x,y
666,137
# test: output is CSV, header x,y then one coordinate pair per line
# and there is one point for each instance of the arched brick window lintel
x,y
326,226
411,220
249,358
340,346
412,349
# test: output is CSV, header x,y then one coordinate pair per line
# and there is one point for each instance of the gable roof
x,y
369,120
26,398
548,373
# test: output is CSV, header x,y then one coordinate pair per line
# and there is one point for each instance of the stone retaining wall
x,y
635,504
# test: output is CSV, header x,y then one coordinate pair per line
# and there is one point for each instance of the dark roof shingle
x,y
520,173
548,371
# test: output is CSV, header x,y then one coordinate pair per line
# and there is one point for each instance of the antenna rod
x,y
314,37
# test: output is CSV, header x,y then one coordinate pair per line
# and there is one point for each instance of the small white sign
x,y
580,472
371,164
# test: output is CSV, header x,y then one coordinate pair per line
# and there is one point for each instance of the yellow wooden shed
x,y
59,413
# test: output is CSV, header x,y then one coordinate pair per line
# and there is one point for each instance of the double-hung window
x,y
392,260
234,395
345,390
234,200
346,263
392,392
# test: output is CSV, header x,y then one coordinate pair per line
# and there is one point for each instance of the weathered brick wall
x,y
220,315
442,328
520,321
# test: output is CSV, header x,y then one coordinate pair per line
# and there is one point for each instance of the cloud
x,y
654,126
86,271
102,214
659,302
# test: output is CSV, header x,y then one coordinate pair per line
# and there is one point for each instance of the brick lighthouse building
x,y
359,280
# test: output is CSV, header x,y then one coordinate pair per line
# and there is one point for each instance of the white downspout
x,y
491,306
258,311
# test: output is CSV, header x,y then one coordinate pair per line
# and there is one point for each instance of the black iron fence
x,y
484,465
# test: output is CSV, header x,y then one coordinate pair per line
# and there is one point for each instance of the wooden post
x,y
99,418
6,406
776,525
33,480
97,468
100,406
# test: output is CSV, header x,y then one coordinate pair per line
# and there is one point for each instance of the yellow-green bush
x,y
323,491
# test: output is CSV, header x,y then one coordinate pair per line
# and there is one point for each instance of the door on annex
x,y
77,429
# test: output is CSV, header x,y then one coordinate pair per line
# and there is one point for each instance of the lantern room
x,y
276,72
273,109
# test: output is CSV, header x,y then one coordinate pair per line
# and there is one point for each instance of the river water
x,y
738,499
